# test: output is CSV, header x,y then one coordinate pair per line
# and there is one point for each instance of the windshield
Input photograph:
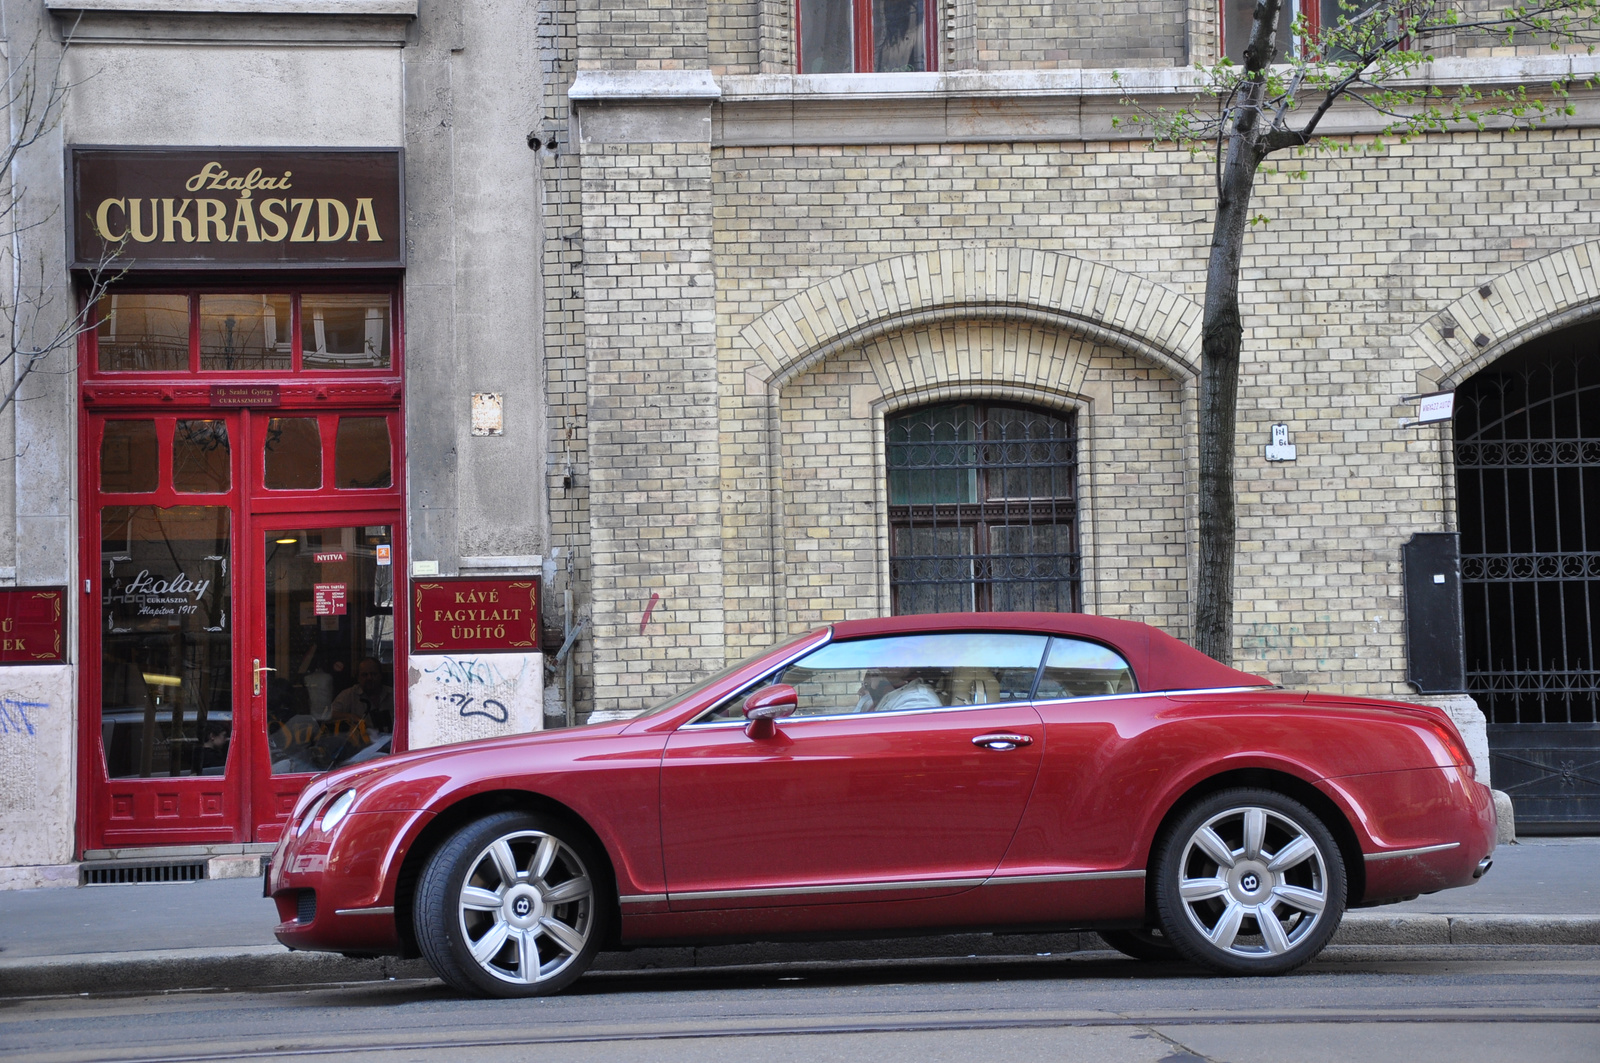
x,y
681,696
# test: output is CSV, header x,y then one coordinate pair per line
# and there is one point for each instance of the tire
x,y
1146,943
1249,882
513,905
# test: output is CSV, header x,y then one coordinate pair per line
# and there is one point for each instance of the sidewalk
x,y
1544,891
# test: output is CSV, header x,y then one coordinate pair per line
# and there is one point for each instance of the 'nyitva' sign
x,y
150,208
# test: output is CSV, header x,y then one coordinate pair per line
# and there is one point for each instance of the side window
x,y
905,672
1079,669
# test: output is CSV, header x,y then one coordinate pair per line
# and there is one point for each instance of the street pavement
x,y
1429,1004
127,938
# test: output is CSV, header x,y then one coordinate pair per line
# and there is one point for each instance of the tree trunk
x,y
1220,338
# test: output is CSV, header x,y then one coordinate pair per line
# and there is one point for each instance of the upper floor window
x,y
983,509
866,36
242,332
1237,16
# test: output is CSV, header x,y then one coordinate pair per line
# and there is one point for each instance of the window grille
x,y
983,510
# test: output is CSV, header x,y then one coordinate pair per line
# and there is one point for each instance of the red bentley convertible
x,y
1003,771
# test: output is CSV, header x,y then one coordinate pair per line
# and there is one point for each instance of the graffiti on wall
x,y
470,685
14,717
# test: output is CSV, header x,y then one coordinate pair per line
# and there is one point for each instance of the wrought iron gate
x,y
1528,468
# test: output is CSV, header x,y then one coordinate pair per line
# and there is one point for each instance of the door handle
x,y
1002,742
256,671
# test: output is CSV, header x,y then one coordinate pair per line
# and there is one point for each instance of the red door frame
x,y
109,395
271,798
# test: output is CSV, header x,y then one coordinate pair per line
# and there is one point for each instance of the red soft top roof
x,y
1159,661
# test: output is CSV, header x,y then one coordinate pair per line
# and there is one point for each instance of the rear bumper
x,y
1421,831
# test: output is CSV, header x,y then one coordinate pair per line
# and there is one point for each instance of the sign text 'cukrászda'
x,y
149,208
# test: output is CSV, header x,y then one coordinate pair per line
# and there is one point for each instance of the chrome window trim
x,y
1147,694
1392,853
788,720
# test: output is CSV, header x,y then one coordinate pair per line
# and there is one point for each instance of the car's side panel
x,y
1114,766
829,805
1115,902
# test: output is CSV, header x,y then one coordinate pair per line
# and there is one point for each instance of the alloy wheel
x,y
1254,882
526,907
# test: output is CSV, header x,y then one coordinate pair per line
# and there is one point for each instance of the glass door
x,y
162,654
323,663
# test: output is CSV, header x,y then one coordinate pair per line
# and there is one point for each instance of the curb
x,y
257,966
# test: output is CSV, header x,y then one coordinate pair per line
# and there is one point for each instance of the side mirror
x,y
767,705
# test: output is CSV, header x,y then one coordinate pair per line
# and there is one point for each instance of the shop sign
x,y
328,557
475,615
331,598
255,208
245,395
31,625
177,588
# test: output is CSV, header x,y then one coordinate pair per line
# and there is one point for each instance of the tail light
x,y
1454,745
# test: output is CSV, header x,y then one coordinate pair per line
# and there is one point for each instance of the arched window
x,y
983,509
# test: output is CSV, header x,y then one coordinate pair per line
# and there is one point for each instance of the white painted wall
x,y
462,696
38,776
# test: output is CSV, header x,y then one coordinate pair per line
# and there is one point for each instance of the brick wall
x,y
654,521
1069,34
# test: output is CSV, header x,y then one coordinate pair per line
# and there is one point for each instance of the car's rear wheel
x,y
1249,882
1146,943
511,906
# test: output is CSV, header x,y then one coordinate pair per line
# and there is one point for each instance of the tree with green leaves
x,y
1375,58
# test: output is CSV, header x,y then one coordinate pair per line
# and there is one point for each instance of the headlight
x,y
336,810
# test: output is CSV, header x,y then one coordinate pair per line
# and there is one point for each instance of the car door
x,y
903,773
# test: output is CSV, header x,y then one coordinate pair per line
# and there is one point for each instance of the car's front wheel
x,y
510,906
1249,882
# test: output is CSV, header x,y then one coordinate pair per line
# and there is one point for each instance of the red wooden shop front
x,y
242,531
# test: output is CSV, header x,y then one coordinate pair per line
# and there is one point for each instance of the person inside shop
x,y
360,720
214,747
891,689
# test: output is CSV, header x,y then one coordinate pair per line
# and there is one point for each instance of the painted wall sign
x,y
261,208
31,625
482,615
245,395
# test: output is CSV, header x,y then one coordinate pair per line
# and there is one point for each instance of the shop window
x,y
201,459
143,333
866,36
1237,16
345,331
129,457
293,454
246,332
361,453
166,691
243,332
983,509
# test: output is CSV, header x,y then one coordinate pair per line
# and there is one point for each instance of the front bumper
x,y
336,893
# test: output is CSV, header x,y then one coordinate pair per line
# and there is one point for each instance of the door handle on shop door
x,y
1002,742
256,671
